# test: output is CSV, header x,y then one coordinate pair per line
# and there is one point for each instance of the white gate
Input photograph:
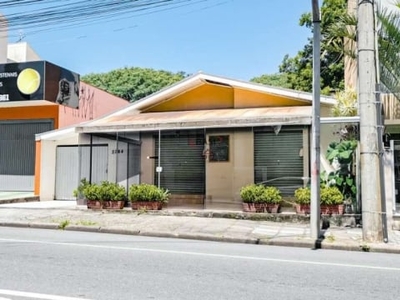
x,y
68,161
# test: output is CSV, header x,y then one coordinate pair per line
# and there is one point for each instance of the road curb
x,y
377,248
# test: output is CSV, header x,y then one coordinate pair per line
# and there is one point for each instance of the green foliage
x,y
342,153
63,224
93,192
389,47
278,80
251,193
79,190
302,195
331,195
271,195
346,104
106,191
148,192
133,84
111,191
297,70
257,193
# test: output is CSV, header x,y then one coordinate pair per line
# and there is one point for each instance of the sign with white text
x,y
38,80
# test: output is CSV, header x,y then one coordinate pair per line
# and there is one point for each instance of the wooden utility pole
x,y
369,150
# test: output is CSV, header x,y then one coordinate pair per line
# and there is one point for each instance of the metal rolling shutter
x,y
277,161
182,162
17,153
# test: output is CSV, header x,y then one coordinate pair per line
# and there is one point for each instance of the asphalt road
x,y
66,265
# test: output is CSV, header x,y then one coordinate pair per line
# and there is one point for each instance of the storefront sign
x,y
38,80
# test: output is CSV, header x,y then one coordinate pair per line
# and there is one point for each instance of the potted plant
x,y
331,200
93,196
250,195
113,195
302,199
147,196
272,198
78,192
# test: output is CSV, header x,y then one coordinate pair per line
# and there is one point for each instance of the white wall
x,y
48,166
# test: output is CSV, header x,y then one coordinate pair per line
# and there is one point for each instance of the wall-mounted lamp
x,y
152,157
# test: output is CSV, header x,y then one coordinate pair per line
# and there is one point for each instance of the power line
x,y
45,15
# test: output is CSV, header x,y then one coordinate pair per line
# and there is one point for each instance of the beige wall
x,y
224,179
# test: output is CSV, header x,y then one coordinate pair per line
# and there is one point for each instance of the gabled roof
x,y
137,117
202,78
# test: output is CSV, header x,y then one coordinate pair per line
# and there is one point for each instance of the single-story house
x,y
202,138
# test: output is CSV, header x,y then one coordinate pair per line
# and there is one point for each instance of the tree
x,y
297,70
279,79
133,83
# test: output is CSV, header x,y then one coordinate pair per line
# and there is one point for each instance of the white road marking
x,y
290,261
35,296
5,298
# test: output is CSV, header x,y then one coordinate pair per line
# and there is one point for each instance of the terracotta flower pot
x,y
273,208
303,209
114,204
94,204
248,207
147,205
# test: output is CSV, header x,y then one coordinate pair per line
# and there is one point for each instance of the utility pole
x,y
369,150
315,126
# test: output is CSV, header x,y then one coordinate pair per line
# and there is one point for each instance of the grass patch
x,y
86,223
63,224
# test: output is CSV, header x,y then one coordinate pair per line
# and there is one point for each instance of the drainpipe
x,y
159,159
90,158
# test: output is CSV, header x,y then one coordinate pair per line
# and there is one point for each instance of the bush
x,y
251,193
302,195
148,192
331,196
328,195
106,191
257,193
92,192
271,195
111,191
78,192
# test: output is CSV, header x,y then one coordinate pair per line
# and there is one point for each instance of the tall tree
x,y
133,83
279,79
297,70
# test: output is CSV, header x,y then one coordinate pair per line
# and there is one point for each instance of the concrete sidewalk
x,y
188,224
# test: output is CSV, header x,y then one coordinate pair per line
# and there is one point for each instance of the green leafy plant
x,y
271,195
93,192
257,193
63,224
111,191
302,195
79,191
148,192
343,177
331,195
251,193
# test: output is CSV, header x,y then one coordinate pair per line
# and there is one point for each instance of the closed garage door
x,y
182,161
67,167
17,153
278,160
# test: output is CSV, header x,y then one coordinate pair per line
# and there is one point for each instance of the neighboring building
x,y
212,135
37,96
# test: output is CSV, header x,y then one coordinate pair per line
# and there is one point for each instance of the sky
x,y
239,39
